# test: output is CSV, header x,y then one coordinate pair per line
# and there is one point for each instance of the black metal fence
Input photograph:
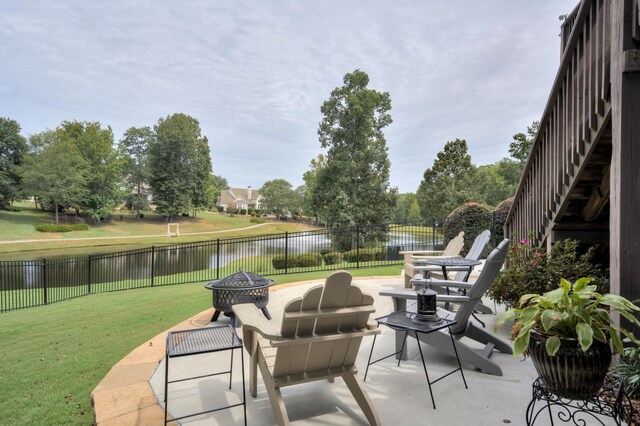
x,y
26,284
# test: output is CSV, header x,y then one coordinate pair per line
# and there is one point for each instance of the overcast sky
x,y
255,73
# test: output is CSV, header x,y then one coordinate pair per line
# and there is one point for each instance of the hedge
x,y
365,255
296,261
472,218
52,227
332,258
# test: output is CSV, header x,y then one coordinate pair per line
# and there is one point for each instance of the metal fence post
x,y
153,264
218,259
44,279
286,252
357,246
89,274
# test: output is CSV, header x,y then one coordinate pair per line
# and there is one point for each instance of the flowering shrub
x,y
531,270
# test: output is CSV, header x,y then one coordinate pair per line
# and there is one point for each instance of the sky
x,y
255,73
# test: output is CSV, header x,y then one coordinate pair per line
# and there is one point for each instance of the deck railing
x,y
577,112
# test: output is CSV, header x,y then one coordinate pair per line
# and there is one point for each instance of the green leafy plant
x,y
629,370
532,270
571,311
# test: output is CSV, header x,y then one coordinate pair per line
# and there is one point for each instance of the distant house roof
x,y
239,196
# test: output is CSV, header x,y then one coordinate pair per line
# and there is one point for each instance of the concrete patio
x,y
129,394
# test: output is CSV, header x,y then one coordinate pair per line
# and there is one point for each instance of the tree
x,y
202,194
13,147
310,178
353,187
218,183
522,144
58,172
497,182
175,169
279,197
104,166
446,185
135,146
403,204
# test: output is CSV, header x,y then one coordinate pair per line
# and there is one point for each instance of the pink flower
x,y
523,241
538,254
535,263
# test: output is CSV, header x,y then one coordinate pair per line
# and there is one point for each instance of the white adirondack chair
x,y
318,339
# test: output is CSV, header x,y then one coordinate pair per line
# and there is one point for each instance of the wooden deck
x,y
582,179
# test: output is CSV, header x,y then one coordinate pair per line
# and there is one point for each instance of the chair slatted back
x,y
489,273
324,310
455,246
478,246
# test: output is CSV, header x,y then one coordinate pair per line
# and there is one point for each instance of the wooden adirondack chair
x,y
318,339
453,249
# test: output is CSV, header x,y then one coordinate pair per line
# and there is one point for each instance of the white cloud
x,y
254,73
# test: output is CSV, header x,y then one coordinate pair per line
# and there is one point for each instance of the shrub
x,y
232,210
52,227
365,255
472,218
332,258
533,271
220,209
278,261
9,208
500,214
297,260
243,212
308,260
629,370
256,220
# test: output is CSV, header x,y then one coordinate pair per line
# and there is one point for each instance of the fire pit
x,y
240,287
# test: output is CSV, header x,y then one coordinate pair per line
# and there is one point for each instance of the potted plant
x,y
567,332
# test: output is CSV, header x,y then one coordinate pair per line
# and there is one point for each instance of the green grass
x,y
53,356
17,226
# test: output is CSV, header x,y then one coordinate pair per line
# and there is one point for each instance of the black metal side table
x,y
611,402
408,322
201,341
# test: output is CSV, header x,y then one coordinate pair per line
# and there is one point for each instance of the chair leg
x,y
362,398
277,403
253,375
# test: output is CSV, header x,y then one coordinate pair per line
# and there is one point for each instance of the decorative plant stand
x,y
610,402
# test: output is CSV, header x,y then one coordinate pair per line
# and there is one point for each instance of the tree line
x,y
78,166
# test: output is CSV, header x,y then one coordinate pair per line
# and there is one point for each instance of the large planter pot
x,y
570,373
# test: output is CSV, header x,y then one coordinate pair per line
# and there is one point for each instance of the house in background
x,y
240,198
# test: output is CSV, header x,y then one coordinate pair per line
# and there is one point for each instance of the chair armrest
x,y
427,252
452,298
372,324
420,257
253,319
451,283
403,294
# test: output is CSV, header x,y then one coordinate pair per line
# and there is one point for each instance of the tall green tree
x,y
447,184
310,178
134,146
497,182
521,145
403,204
202,195
58,173
13,147
353,188
218,183
104,166
175,166
279,197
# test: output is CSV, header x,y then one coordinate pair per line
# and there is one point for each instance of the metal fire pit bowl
x,y
240,287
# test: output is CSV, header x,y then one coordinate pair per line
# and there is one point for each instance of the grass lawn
x,y
53,356
151,230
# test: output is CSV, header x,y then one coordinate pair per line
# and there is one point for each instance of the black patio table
x,y
453,263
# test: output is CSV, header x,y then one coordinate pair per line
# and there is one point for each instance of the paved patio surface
x,y
129,394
